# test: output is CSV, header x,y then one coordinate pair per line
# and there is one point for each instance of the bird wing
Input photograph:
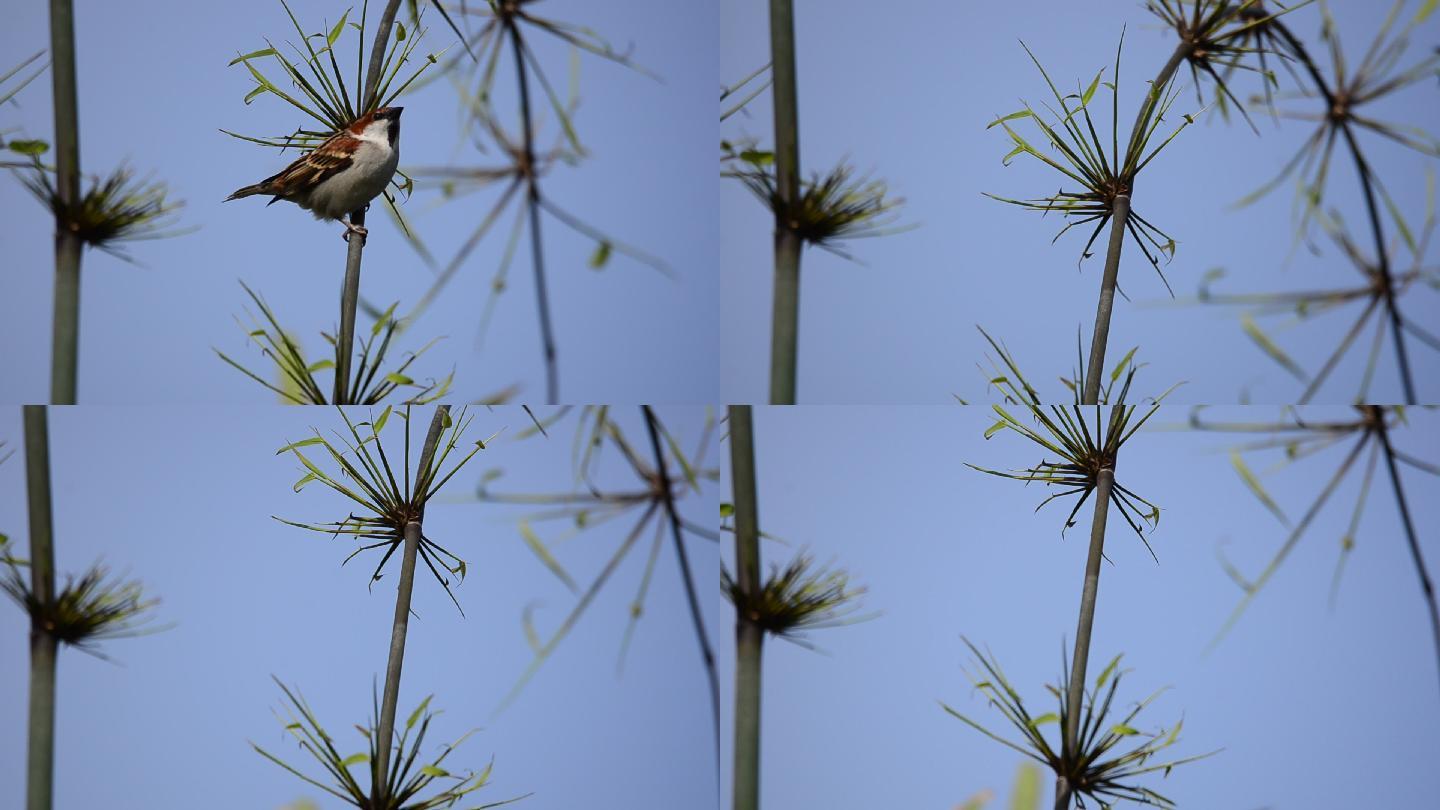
x,y
328,159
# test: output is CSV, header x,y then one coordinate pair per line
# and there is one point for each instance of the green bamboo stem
x,y
1104,308
385,734
784,331
749,637
532,189
1075,690
706,654
65,339
40,772
350,287
1425,585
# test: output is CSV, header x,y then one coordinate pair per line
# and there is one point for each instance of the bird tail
x,y
258,188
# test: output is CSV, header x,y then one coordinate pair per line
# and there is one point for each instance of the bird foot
x,y
355,229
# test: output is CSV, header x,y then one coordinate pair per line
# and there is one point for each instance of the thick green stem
x,y
66,326
1075,690
706,654
1425,585
350,287
785,318
1103,310
786,313
380,784
40,773
749,637
532,188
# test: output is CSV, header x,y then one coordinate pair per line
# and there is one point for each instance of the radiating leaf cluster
x,y
1074,148
113,210
1293,438
1112,753
797,598
363,472
90,609
297,378
592,504
403,785
832,207
1083,448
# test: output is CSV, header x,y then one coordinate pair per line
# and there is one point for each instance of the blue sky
x,y
182,499
154,92
1314,707
907,94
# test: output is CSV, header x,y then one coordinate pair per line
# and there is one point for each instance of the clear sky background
x,y
1315,707
183,499
907,93
154,90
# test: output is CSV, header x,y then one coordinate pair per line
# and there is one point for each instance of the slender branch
x,y
65,337
663,472
784,330
1372,209
40,773
1425,585
749,637
380,778
350,288
1110,280
532,187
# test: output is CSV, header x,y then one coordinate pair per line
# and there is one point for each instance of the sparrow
x,y
343,174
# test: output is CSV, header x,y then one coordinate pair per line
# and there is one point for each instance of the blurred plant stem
x,y
749,636
707,655
65,342
40,775
1075,690
784,334
386,731
532,199
1381,431
1110,280
350,291
1338,105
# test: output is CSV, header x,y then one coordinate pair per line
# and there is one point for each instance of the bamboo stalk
x,y
65,338
40,772
1075,690
1425,585
350,288
749,638
1110,279
532,188
706,654
380,778
785,317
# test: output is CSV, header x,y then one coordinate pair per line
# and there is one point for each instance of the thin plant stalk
x,y
706,653
65,342
350,289
1425,585
532,189
749,637
784,334
386,730
40,773
1110,280
1106,306
1362,167
1075,690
